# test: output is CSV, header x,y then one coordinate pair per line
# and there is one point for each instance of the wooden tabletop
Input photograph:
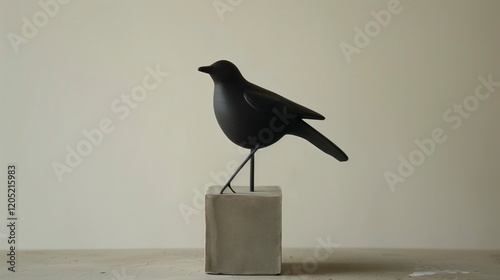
x,y
313,263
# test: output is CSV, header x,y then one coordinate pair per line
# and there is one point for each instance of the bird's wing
x,y
264,100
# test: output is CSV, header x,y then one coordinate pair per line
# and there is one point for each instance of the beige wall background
x,y
409,92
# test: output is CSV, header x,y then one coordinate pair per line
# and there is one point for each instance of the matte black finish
x,y
253,117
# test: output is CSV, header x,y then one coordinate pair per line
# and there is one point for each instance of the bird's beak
x,y
205,69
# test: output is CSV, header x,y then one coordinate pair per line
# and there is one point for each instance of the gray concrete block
x,y
243,231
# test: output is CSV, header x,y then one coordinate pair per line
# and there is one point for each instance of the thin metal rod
x,y
228,184
252,172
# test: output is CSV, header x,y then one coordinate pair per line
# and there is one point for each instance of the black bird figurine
x,y
253,117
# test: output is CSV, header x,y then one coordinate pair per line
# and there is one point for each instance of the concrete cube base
x,y
243,231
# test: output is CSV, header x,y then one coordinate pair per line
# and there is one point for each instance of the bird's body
x,y
250,115
239,121
253,117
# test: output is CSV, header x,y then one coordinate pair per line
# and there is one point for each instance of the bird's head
x,y
222,71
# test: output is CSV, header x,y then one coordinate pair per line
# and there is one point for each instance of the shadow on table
x,y
296,268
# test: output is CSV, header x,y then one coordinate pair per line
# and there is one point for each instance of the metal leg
x,y
252,172
228,184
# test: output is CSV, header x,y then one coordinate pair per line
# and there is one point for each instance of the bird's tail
x,y
302,129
